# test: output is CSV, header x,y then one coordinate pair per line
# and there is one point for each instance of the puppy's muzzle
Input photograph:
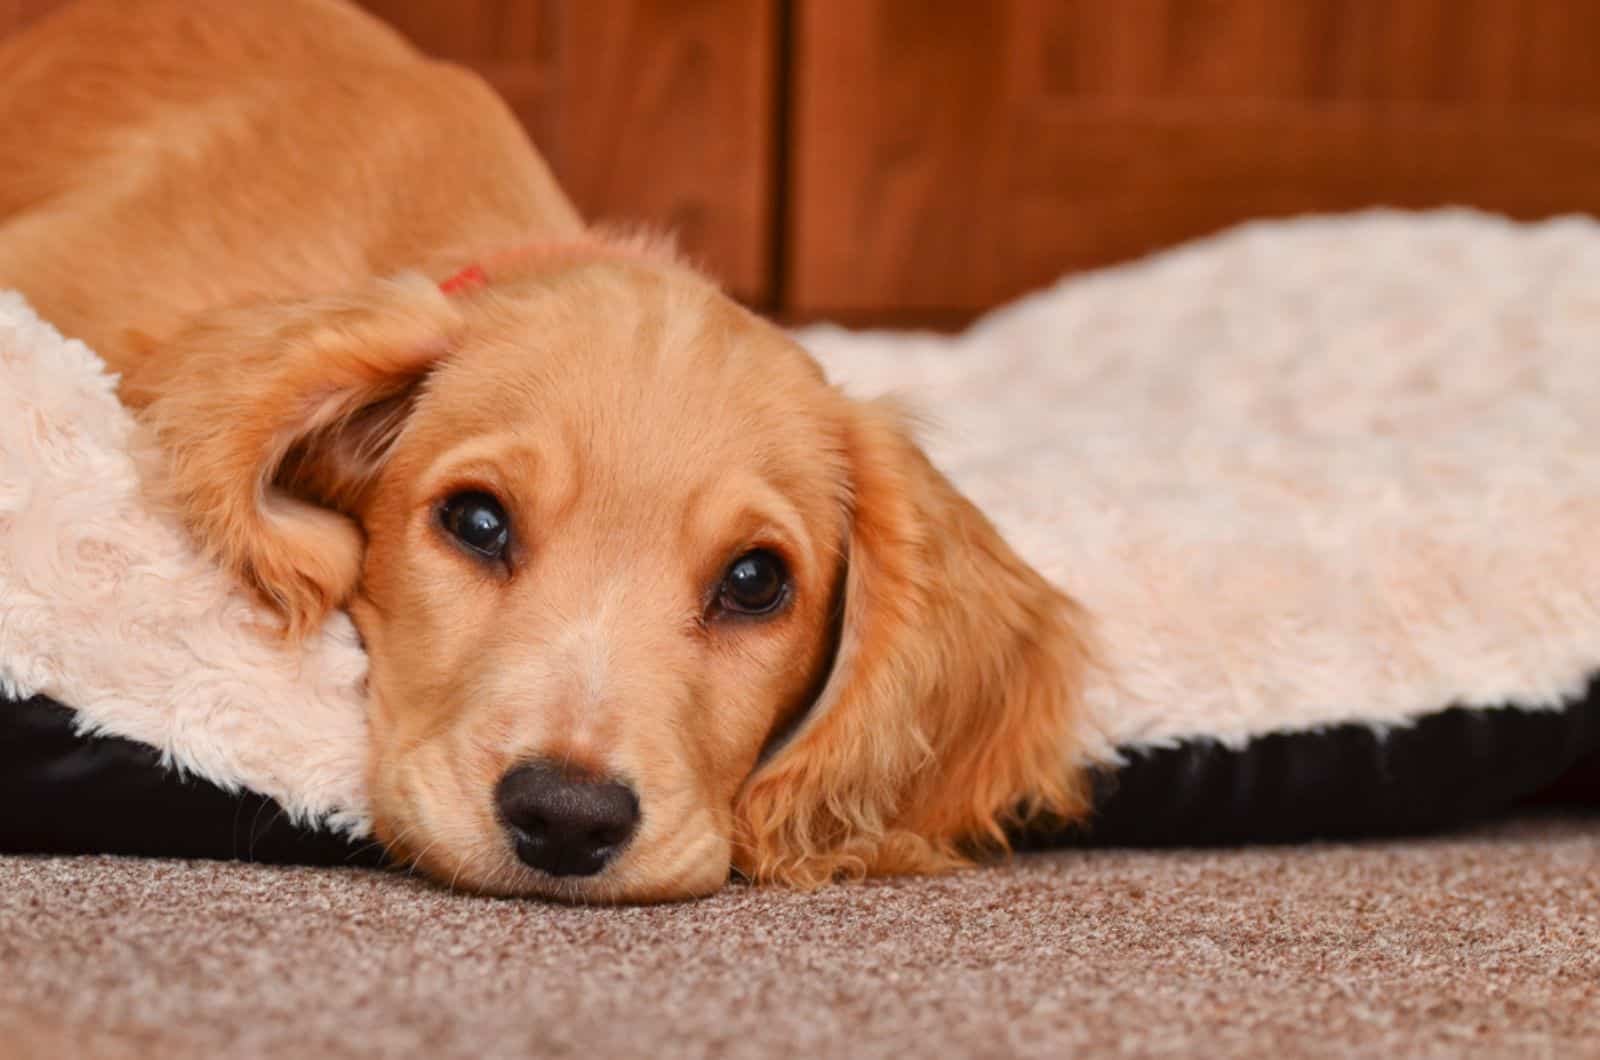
x,y
563,822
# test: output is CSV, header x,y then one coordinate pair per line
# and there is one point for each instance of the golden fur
x,y
247,209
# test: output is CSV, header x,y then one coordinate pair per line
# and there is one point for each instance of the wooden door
x,y
948,155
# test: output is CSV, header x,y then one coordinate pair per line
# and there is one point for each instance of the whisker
x,y
416,862
389,845
461,863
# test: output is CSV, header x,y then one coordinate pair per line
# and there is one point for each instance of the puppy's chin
x,y
470,853
493,869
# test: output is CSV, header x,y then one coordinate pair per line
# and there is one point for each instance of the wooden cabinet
x,y
949,155
920,160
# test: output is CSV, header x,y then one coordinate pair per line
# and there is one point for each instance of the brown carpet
x,y
1483,943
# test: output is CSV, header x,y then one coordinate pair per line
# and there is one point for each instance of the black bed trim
x,y
70,794
1341,781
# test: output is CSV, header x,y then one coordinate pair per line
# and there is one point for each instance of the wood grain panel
x,y
649,111
889,167
509,42
950,155
1125,198
1439,51
473,30
664,111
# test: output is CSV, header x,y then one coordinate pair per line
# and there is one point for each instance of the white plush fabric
x,y
106,607
1302,473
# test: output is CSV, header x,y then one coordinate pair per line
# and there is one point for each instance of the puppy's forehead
x,y
630,355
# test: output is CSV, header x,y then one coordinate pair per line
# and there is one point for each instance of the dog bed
x,y
1328,489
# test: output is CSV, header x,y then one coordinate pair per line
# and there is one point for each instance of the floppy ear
x,y
952,707
307,394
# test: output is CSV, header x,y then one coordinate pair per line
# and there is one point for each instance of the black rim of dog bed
x,y
76,794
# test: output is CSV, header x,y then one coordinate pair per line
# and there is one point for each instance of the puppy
x,y
645,598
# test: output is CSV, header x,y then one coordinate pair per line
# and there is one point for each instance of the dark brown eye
x,y
755,584
477,521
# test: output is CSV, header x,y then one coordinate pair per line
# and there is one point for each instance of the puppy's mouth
x,y
693,870
670,852
498,869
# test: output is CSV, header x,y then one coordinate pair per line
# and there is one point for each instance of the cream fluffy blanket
x,y
1303,473
104,605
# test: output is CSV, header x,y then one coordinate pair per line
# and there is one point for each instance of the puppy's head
x,y
644,597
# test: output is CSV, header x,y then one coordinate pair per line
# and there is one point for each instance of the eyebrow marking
x,y
487,451
755,513
537,489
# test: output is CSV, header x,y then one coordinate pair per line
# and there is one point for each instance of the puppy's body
x,y
643,596
165,157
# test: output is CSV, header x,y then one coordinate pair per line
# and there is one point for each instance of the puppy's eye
x,y
754,584
478,521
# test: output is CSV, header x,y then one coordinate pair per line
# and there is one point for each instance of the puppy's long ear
x,y
312,391
952,707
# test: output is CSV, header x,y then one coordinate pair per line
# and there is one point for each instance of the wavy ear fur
x,y
312,391
952,707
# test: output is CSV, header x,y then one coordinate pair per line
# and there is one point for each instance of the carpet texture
x,y
1481,943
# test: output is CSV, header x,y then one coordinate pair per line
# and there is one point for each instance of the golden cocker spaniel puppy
x,y
645,598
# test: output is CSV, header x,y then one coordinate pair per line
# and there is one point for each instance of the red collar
x,y
585,247
468,279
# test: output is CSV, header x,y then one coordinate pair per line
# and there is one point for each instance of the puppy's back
x,y
164,156
98,68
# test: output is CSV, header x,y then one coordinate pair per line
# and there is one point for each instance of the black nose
x,y
564,822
